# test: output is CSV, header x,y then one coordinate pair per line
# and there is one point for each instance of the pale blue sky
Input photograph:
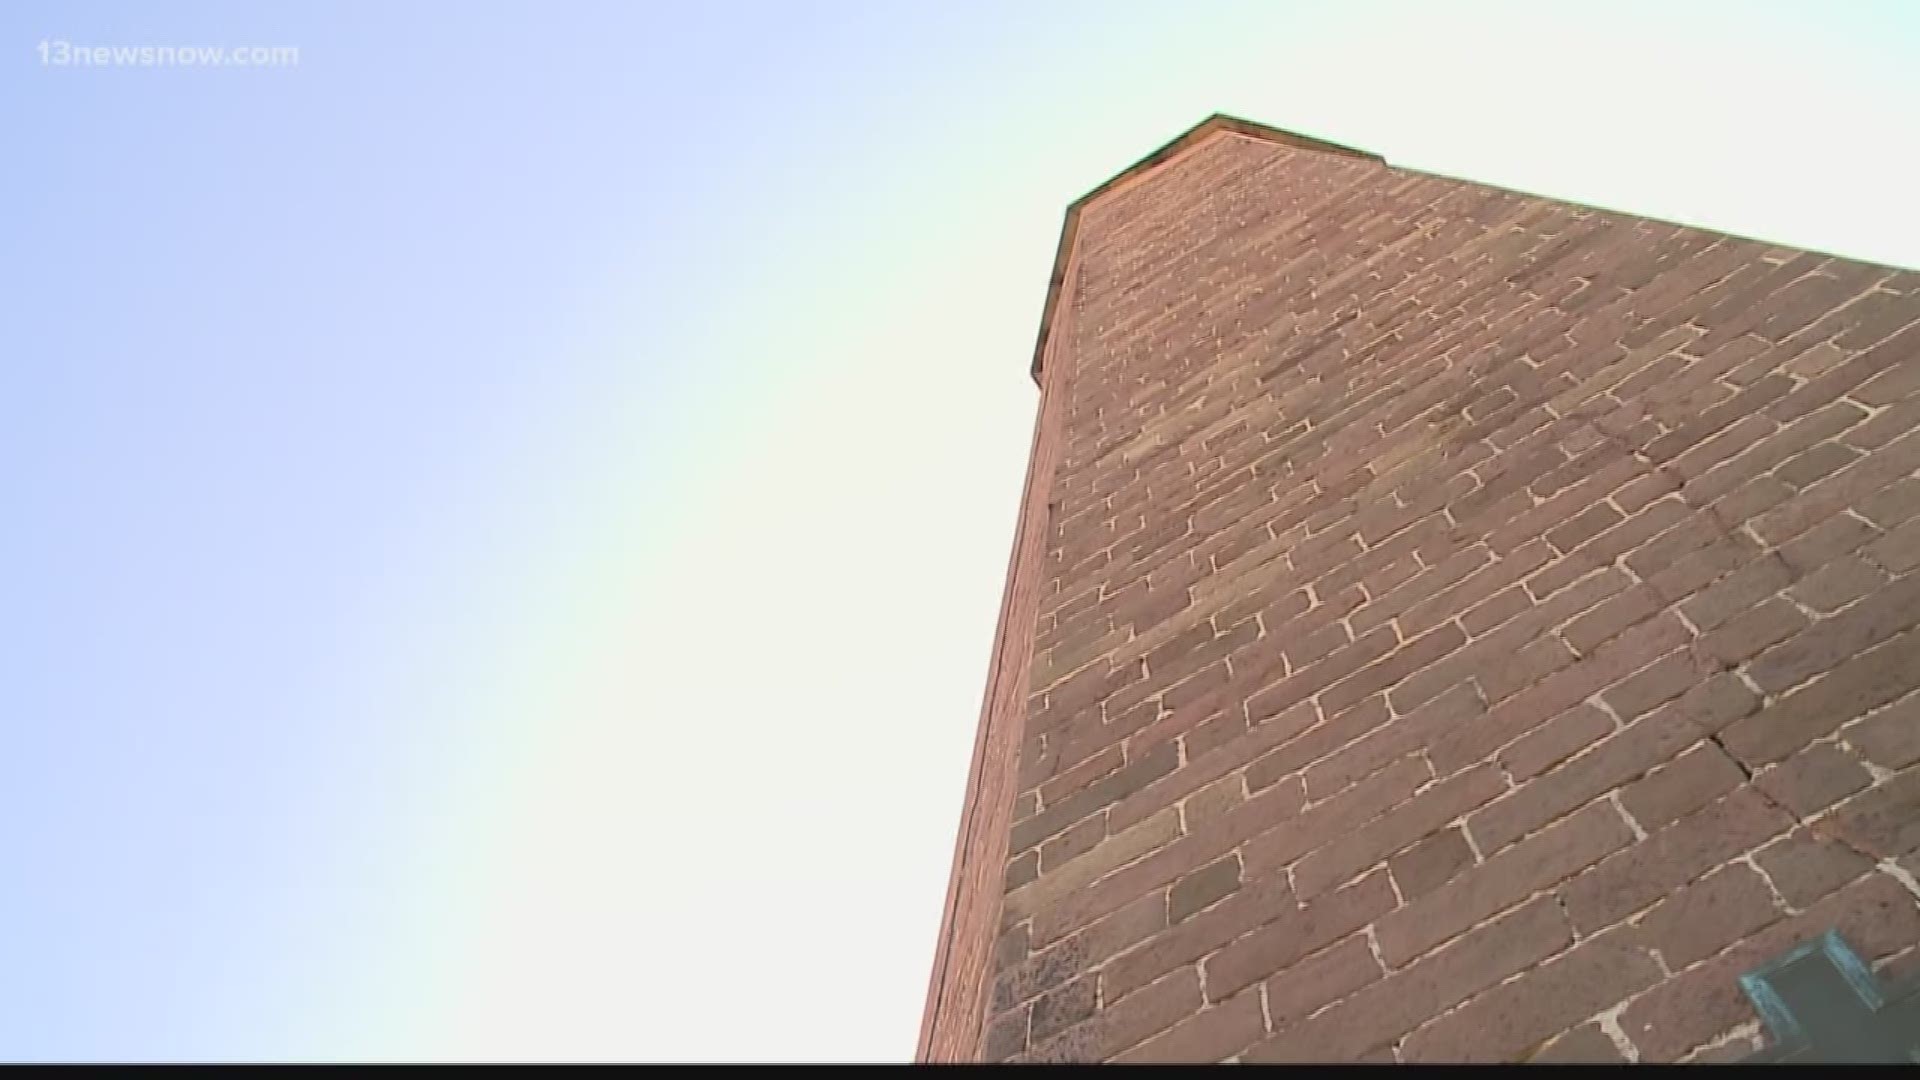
x,y
506,516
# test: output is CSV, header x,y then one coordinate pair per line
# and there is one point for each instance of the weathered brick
x,y
1280,943
1058,1009
1584,526
1561,691
1554,741
1080,775
1077,840
1898,552
1385,673
1681,786
1374,842
1096,796
1584,1045
1752,631
1813,780
1816,464
1383,1011
1082,952
1118,849
1430,863
1854,686
1670,858
1654,685
1209,1036
1884,821
1214,801
1805,866
1380,743
1621,757
1118,1026
1206,768
1708,915
1337,816
1325,977
1506,1021
1610,617
1022,869
1737,593
1203,887
1257,903
1006,1035
1503,881
1070,910
1010,947
1837,584
1892,505
1302,685
1837,536
1890,738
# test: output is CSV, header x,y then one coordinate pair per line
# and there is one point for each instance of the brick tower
x,y
1444,624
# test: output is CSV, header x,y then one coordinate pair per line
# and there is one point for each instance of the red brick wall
x,y
1469,627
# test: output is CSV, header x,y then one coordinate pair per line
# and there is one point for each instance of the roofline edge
x,y
1173,148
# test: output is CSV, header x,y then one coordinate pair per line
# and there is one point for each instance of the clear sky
x,y
504,519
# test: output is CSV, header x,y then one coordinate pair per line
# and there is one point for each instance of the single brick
x,y
1207,1037
1430,863
1813,779
1610,617
1058,1009
1022,869
1203,887
1079,839
1805,866
1325,977
1708,915
1555,741
1654,685
1737,593
1752,631
1837,536
1838,584
1006,1035
1214,801
1816,464
1584,1045
1892,505
1884,821
1899,551
1890,738
1681,786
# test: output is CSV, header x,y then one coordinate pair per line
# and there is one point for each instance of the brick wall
x,y
1467,627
